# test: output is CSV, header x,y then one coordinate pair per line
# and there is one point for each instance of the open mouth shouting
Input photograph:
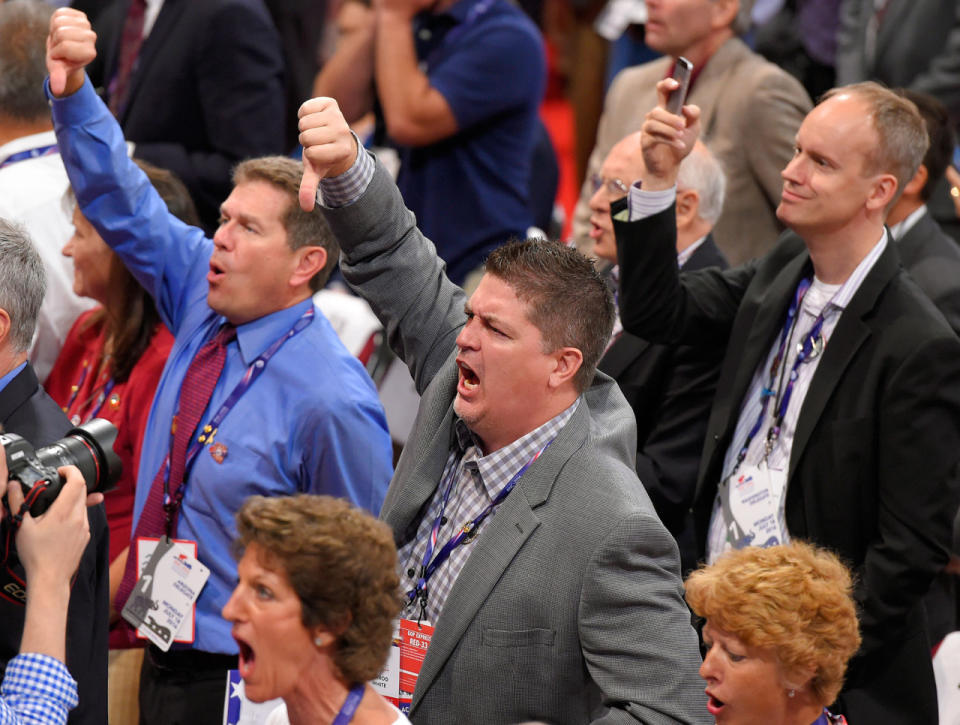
x,y
246,659
216,273
469,380
714,706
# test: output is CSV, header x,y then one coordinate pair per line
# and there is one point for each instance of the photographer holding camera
x,y
26,410
37,687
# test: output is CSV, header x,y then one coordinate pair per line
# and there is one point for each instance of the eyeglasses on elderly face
x,y
615,188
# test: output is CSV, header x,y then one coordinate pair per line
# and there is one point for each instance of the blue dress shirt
x,y
312,423
5,380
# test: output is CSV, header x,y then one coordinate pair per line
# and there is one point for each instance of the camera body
x,y
89,447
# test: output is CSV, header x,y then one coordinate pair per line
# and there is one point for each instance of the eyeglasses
x,y
616,189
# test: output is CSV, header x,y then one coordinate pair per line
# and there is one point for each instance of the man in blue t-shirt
x,y
459,85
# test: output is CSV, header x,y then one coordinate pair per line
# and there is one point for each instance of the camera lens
x,y
89,447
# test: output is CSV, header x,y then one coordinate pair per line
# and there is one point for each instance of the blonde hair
x,y
793,599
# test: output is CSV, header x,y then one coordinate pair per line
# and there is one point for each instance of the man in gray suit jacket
x,y
903,43
564,606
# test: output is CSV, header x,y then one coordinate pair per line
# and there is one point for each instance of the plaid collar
x,y
496,469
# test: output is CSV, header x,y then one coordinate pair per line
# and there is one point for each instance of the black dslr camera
x,y
89,447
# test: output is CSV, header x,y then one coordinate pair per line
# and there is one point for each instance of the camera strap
x,y
13,587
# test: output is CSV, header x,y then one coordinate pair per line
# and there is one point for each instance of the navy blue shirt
x,y
470,192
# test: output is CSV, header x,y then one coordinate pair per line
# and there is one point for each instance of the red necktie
x,y
195,392
130,43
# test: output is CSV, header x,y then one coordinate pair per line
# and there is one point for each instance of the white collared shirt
x,y
150,15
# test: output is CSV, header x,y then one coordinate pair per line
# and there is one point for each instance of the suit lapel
x,y
713,81
13,395
894,18
167,19
502,537
847,337
420,475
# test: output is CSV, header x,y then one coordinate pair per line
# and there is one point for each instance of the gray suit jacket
x,y
569,608
751,110
917,46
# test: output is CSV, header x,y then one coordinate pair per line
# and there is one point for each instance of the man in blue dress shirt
x,y
300,413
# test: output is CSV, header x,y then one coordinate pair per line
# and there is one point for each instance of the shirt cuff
x,y
346,188
39,681
643,204
72,110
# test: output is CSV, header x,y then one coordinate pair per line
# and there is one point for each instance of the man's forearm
x,y
416,113
399,79
45,622
348,74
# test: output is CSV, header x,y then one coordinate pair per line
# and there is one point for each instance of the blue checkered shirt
x,y
37,690
478,480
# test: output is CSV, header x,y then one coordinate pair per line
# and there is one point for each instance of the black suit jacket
x,y
27,410
207,90
933,260
873,468
670,390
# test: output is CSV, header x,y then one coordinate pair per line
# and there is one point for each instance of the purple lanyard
x,y
172,502
768,392
29,154
468,531
350,705
101,398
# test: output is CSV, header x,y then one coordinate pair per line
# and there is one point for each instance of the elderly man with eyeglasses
x,y
669,390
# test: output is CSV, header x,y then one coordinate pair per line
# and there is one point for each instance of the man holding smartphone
x,y
836,408
751,111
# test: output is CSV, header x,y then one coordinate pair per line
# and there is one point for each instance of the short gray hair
x,y
23,283
23,46
702,173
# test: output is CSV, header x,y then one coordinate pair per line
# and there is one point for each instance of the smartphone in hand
x,y
682,70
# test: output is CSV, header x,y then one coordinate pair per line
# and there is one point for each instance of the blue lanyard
x,y
171,502
350,705
29,154
805,354
461,537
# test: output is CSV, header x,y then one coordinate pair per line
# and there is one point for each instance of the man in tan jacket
x,y
751,112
